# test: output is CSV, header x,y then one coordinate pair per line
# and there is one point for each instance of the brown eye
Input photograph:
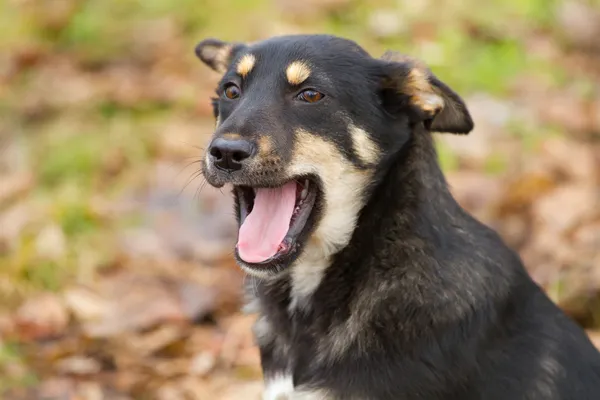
x,y
310,96
232,92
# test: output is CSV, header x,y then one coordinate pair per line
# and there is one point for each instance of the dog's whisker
x,y
194,176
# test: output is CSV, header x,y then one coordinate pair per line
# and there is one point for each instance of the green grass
x,y
496,164
10,355
73,159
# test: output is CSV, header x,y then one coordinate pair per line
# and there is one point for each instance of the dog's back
x,y
371,281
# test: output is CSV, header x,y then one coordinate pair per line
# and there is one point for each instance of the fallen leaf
x,y
42,316
202,363
558,156
15,185
78,365
249,391
580,23
14,221
566,206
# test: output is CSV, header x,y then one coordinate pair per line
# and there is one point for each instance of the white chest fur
x,y
281,387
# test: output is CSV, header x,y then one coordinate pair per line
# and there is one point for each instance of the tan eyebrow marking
x,y
246,64
297,72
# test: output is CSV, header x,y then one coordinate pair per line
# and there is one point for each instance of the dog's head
x,y
304,123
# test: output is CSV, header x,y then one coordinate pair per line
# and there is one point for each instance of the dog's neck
x,y
406,258
409,201
413,195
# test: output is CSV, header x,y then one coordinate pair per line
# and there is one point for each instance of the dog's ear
x,y
217,54
408,85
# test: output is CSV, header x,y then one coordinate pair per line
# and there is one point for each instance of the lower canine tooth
x,y
304,190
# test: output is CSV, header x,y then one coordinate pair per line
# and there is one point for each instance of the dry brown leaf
x,y
15,185
202,363
41,316
569,160
78,365
523,191
565,207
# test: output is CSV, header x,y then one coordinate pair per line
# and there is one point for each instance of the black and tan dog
x,y
371,282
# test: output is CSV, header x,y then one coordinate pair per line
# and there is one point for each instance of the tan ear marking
x,y
416,84
297,72
245,65
421,92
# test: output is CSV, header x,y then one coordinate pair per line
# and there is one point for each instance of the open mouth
x,y
274,222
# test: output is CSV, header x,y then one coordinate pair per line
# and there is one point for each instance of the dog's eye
x,y
310,96
232,91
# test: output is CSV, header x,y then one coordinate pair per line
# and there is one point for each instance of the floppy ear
x,y
409,84
216,53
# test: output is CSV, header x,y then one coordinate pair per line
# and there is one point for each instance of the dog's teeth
x,y
304,191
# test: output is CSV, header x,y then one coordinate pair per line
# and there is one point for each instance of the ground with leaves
x,y
116,275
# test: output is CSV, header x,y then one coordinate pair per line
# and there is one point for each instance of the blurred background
x,y
116,275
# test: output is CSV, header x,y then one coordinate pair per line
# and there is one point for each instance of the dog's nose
x,y
228,155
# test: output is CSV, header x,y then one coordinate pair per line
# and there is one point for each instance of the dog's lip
x,y
290,242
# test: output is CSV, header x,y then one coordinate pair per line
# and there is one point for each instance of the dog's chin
x,y
301,226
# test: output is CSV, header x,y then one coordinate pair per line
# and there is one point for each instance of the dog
x,y
369,280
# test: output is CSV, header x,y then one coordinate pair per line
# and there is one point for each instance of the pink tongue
x,y
265,227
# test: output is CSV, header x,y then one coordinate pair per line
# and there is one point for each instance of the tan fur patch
x,y
364,147
343,185
245,65
307,274
422,94
297,72
417,85
232,136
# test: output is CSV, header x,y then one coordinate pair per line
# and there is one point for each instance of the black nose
x,y
228,155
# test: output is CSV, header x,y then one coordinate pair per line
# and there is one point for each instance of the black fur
x,y
432,304
459,318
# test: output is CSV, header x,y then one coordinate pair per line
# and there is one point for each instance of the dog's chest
x,y
301,331
289,341
289,357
